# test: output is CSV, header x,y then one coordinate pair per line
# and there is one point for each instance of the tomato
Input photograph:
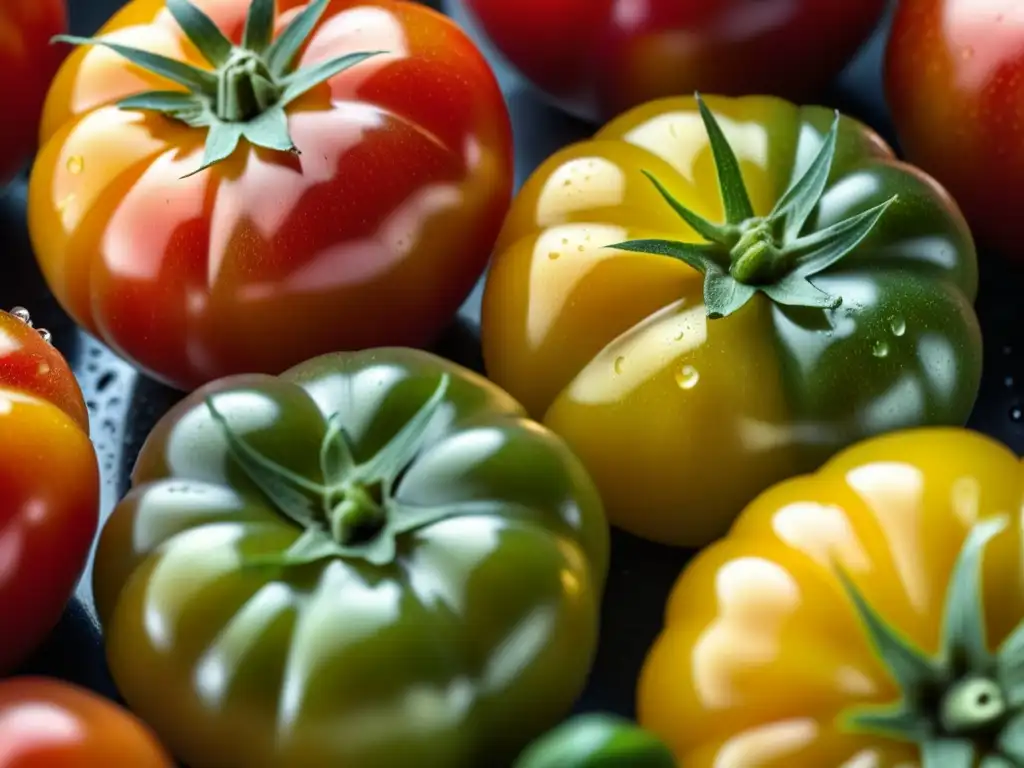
x,y
52,724
955,82
350,193
373,560
27,65
49,486
598,58
835,303
867,614
597,741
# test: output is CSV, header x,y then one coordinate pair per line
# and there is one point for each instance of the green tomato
x,y
597,741
374,560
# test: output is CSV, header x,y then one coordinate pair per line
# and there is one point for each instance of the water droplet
x,y
687,377
95,351
47,336
618,363
22,314
581,248
553,255
90,404
76,164
680,335
1008,381
565,241
881,349
1016,414
567,183
898,326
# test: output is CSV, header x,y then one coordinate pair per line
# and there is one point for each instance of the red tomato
x,y
601,57
372,236
955,82
49,488
51,724
27,64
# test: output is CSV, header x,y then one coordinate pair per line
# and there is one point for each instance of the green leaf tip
x,y
244,96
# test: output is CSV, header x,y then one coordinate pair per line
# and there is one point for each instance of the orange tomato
x,y
51,724
49,488
767,658
371,235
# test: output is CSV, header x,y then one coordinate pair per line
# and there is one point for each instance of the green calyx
x,y
964,706
767,254
351,510
246,93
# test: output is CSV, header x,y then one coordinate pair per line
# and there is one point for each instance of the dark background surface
x,y
124,406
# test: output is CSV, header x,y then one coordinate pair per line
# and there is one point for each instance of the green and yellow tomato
x,y
375,560
869,614
707,298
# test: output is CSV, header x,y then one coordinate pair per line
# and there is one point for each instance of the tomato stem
x,y
750,254
245,94
964,702
245,89
972,705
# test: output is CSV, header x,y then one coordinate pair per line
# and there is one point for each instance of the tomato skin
x,y
28,63
374,235
682,420
46,527
598,58
48,723
959,64
762,649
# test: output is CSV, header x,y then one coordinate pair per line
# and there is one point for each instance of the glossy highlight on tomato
x,y
598,58
867,614
48,723
49,486
27,65
372,233
374,559
682,415
955,84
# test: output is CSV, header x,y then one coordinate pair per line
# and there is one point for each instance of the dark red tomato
x,y
955,82
51,724
601,57
353,211
27,65
49,487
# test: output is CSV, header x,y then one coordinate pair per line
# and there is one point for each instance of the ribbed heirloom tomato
x,y
600,57
49,486
708,298
870,614
955,83
27,65
51,724
373,560
356,164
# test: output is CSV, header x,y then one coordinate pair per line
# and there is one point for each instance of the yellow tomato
x,y
841,622
681,419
